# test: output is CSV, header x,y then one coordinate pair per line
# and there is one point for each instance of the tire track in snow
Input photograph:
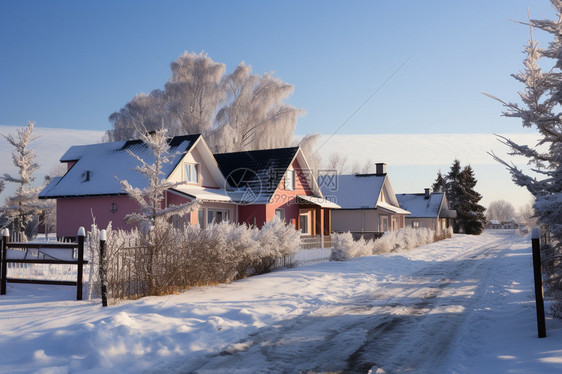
x,y
407,326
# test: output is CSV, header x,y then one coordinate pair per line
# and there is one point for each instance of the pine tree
x,y
23,208
470,215
454,190
459,185
440,184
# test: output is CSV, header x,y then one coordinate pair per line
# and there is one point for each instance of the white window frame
x,y
280,213
290,176
308,216
191,173
384,223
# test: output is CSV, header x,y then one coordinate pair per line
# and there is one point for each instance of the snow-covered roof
x,y
361,191
98,165
353,192
433,206
420,206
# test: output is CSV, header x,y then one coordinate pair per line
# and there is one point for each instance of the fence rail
x,y
34,253
316,241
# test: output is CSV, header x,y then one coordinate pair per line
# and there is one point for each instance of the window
x,y
201,218
384,224
305,226
213,216
180,222
290,180
190,173
280,214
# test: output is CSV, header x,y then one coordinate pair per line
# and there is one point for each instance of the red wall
x,y
282,198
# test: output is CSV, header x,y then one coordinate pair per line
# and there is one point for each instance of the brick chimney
x,y
380,169
427,192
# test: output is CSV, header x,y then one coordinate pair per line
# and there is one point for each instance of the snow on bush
x,y
167,260
344,247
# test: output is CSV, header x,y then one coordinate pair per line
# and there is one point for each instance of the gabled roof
x,y
434,206
97,166
362,191
256,175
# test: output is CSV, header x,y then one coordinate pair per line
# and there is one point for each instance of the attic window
x,y
290,180
86,176
190,173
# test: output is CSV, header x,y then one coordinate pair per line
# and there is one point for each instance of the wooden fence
x,y
42,253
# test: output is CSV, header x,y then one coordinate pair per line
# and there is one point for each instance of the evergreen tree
x,y
454,189
470,215
459,185
440,184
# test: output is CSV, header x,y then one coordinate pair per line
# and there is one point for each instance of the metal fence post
x,y
3,257
539,298
103,281
80,275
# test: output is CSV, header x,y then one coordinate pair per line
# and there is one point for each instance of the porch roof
x,y
391,208
203,193
321,202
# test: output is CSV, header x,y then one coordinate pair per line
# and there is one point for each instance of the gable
x,y
201,155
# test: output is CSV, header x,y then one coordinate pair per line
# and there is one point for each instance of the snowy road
x,y
462,305
408,324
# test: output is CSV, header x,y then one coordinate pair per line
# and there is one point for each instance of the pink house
x,y
249,187
90,190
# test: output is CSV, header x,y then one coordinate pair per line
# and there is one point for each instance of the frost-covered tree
x,y
22,209
336,162
235,112
540,109
152,213
500,210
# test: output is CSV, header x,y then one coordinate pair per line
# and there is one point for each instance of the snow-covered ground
x,y
463,305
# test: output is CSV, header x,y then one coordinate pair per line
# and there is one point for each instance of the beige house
x,y
368,203
428,209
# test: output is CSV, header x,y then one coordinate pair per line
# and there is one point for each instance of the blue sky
x,y
71,64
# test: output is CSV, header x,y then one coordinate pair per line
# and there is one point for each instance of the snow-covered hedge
x,y
344,247
167,260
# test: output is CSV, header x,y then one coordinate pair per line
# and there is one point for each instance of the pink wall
x,y
75,212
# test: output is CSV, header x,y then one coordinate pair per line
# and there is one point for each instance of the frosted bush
x,y
407,238
344,247
278,242
165,260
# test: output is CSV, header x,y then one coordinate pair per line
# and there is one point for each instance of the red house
x,y
278,183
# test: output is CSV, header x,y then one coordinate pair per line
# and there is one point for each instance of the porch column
x,y
321,226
